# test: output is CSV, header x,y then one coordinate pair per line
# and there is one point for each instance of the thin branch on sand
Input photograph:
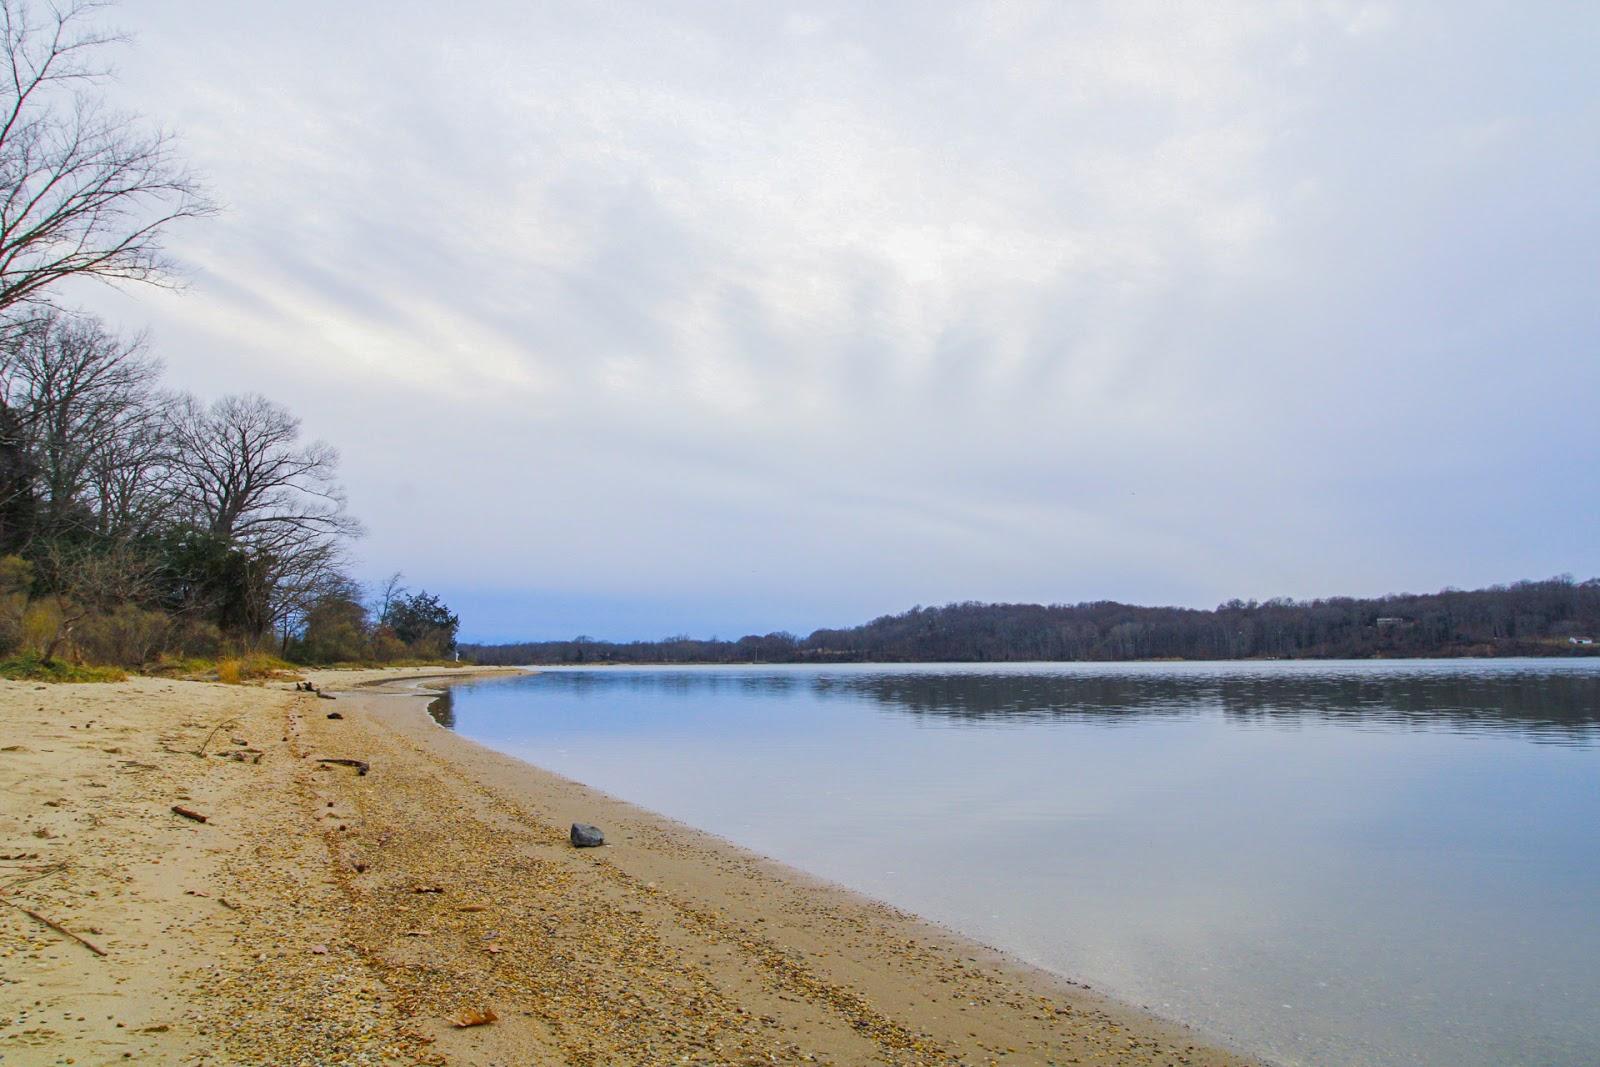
x,y
57,927
225,724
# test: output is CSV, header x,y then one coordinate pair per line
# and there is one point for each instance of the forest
x,y
141,525
1531,618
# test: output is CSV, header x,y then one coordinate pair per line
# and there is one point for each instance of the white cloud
x,y
896,301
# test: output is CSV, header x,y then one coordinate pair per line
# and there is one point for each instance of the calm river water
x,y
1322,863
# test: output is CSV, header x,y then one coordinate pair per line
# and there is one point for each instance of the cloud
x,y
829,309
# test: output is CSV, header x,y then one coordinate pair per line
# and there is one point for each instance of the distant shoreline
x,y
1555,617
1556,654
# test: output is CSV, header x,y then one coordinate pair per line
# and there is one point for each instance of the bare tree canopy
x,y
88,409
247,477
83,191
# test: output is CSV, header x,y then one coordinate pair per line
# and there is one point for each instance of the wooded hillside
x,y
1526,618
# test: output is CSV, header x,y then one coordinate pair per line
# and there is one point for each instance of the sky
x,y
638,319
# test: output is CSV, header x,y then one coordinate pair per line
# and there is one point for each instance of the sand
x,y
322,916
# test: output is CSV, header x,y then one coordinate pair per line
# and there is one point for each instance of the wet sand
x,y
324,916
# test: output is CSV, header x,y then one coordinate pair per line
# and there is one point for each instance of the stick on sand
x,y
57,927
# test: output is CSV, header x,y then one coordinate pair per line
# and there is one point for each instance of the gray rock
x,y
586,836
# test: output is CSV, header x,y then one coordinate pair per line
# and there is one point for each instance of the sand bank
x,y
322,916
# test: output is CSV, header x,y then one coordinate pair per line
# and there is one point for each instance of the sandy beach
x,y
320,915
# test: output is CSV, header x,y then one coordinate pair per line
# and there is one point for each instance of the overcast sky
x,y
633,319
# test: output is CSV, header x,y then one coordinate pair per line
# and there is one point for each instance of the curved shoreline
x,y
326,916
696,861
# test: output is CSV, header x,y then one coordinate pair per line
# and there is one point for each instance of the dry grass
x,y
254,666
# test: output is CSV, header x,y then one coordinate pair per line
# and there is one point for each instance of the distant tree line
x,y
136,522
1551,617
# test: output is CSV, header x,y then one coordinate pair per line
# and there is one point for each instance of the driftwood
x,y
188,813
361,766
324,696
57,927
224,724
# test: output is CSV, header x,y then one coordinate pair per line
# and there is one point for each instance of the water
x,y
1330,863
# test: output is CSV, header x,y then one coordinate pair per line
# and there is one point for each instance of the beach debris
x,y
324,696
189,813
427,889
319,950
334,715
225,724
57,927
473,907
361,766
241,755
473,1017
586,836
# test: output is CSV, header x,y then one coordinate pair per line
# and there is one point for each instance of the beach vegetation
x,y
138,525
141,526
29,667
253,667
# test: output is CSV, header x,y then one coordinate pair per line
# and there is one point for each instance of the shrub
x,y
168,666
235,670
192,638
128,636
16,581
29,667
263,665
40,621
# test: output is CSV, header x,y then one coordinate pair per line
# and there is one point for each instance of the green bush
x,y
28,667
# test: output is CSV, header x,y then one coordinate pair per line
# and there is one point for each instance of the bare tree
x,y
390,591
86,403
248,481
132,478
295,583
83,191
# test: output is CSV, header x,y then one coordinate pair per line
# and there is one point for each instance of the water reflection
x,y
1329,863
1559,706
443,709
